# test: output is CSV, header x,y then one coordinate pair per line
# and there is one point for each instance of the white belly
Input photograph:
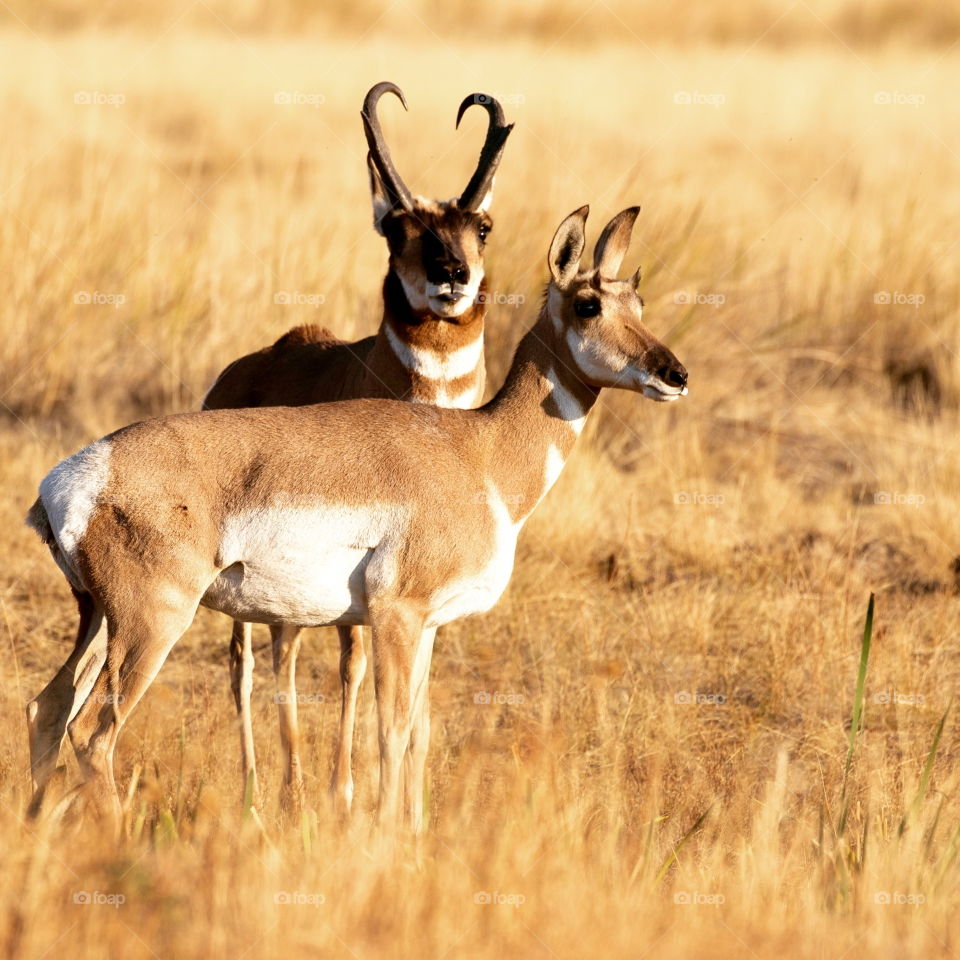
x,y
300,565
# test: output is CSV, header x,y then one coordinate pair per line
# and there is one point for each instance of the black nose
x,y
454,271
674,374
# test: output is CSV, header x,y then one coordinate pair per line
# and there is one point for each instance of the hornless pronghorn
x,y
429,349
394,515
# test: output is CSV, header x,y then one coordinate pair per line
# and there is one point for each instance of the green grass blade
x,y
925,776
856,717
661,873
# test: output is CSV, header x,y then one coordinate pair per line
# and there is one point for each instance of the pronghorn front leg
x,y
241,682
286,645
353,666
415,761
401,661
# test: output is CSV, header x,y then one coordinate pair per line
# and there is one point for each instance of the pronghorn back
x,y
410,358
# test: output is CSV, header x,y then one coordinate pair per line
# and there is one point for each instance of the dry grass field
x,y
664,768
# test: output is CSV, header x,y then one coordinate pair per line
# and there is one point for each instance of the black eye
x,y
586,308
484,230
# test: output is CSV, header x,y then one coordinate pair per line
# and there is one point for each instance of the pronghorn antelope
x,y
429,349
371,512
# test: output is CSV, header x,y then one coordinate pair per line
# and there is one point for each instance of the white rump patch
x,y
70,492
433,365
302,564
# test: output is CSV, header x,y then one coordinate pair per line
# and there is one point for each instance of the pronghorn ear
x,y
382,204
567,247
487,201
612,246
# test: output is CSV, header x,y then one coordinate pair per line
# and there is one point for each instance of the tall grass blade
x,y
914,808
672,858
856,717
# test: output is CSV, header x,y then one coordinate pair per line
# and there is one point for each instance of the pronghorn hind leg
x,y
286,646
353,666
241,682
137,646
401,661
53,708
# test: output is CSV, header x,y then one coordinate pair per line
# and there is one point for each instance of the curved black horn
x,y
379,151
490,153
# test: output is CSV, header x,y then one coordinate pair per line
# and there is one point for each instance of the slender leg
x,y
61,699
401,658
415,761
137,646
286,646
353,665
241,681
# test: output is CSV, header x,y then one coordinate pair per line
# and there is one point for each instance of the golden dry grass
x,y
679,646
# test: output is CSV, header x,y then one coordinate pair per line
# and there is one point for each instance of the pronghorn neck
x,y
441,358
536,418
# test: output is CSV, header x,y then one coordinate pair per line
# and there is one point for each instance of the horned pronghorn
x,y
429,349
371,512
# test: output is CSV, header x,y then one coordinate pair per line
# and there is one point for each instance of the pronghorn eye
x,y
587,308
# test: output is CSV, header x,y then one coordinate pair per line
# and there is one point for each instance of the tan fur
x,y
309,364
152,548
